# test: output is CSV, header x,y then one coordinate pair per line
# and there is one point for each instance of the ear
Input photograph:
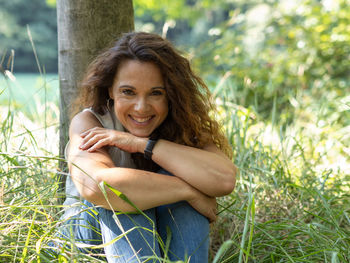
x,y
110,93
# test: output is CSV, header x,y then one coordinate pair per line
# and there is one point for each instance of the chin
x,y
141,134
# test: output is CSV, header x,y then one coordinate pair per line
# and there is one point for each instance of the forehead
x,y
138,73
136,66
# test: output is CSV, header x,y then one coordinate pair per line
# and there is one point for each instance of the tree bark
x,y
85,27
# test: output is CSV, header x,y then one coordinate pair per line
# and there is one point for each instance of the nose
x,y
141,105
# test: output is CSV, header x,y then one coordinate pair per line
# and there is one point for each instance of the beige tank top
x,y
120,159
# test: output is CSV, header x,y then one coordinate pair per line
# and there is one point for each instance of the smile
x,y
141,120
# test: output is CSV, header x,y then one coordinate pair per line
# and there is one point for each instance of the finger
x,y
98,145
89,142
92,130
91,135
83,134
88,135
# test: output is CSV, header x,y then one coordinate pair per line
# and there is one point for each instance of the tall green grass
x,y
291,202
292,198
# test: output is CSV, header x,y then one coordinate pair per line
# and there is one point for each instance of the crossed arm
x,y
200,174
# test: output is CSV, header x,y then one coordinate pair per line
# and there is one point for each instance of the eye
x,y
157,92
128,92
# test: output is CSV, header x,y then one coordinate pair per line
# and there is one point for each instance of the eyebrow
x,y
132,87
126,86
158,88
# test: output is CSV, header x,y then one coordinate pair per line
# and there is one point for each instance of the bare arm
x,y
208,169
144,189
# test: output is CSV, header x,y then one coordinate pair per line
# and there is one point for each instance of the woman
x,y
145,130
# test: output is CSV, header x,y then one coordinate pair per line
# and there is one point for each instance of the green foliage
x,y
160,11
188,21
269,53
292,195
51,3
301,48
15,16
30,92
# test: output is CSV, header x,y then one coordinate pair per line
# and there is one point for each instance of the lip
x,y
141,120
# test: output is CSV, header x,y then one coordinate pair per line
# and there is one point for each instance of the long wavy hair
x,y
189,120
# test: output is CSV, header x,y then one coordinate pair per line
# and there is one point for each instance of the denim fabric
x,y
175,231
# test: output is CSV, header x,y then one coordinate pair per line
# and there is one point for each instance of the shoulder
x,y
83,121
84,116
80,123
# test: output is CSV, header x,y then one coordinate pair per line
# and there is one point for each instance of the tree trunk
x,y
85,27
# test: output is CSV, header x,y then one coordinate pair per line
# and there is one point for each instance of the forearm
x,y
89,167
207,171
144,189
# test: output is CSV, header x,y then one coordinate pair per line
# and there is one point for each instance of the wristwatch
x,y
149,148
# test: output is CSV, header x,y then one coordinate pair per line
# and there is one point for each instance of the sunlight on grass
x,y
297,179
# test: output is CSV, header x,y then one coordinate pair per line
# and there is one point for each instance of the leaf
x,y
222,250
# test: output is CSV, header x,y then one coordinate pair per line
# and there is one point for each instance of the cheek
x,y
165,110
119,109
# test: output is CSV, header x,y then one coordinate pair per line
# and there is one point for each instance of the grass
x,y
293,193
29,92
291,202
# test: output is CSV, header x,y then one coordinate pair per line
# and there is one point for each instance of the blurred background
x,y
259,54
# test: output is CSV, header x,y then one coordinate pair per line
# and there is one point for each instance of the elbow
x,y
92,190
90,193
102,195
227,187
94,195
229,183
87,186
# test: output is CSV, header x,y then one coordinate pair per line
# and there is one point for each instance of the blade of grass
x,y
25,250
222,250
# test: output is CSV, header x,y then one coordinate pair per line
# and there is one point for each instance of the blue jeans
x,y
175,231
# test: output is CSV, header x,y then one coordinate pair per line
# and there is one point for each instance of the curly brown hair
x,y
188,121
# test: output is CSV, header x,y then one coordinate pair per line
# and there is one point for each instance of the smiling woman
x,y
141,124
139,95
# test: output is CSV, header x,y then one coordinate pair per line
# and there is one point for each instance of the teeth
x,y
141,119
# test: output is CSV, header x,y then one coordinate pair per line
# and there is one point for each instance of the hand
x,y
98,137
205,205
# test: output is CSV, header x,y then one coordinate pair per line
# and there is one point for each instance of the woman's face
x,y
140,101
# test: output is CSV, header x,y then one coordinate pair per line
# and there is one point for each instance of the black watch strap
x,y
149,148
